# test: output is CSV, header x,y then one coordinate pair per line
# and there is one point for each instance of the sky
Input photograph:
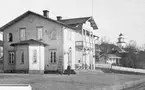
x,y
111,16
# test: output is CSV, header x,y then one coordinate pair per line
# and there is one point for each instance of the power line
x,y
92,7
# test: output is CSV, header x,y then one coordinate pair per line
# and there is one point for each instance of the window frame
x,y
34,54
53,56
22,61
8,37
1,52
14,57
37,35
20,34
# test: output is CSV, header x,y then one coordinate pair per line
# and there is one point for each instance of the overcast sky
x,y
111,16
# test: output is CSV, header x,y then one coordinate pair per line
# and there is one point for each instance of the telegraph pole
x,y
92,7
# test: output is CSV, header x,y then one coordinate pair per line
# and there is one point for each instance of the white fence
x,y
103,65
120,68
15,87
128,69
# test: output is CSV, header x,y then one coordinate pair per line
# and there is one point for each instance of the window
x,y
22,33
1,52
70,57
9,37
79,61
69,35
22,57
34,56
53,56
39,33
11,57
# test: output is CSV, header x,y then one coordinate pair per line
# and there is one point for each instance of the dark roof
x,y
30,12
28,42
111,48
110,54
113,55
1,43
77,21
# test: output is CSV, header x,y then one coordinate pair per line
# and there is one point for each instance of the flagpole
x,y
92,7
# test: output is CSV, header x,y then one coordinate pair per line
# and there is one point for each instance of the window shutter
x,y
8,37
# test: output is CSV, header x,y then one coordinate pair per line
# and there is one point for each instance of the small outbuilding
x,y
113,59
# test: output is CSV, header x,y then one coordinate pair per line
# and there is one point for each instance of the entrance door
x,y
52,60
36,58
52,54
11,59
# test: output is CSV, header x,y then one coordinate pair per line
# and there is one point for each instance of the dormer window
x,y
9,37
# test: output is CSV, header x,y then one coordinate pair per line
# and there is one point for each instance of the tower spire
x,y
121,42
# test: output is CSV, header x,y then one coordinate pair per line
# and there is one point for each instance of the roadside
x,y
131,85
84,80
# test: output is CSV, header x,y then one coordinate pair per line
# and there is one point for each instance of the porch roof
x,y
28,42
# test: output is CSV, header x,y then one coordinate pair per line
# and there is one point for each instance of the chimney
x,y
46,13
59,18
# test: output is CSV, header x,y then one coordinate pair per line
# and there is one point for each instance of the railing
x,y
84,43
79,43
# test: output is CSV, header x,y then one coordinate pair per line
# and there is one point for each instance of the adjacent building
x,y
37,43
1,56
110,53
85,40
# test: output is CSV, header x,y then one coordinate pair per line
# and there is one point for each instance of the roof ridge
x,y
27,12
76,18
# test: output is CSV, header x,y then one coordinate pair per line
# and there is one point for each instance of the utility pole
x,y
92,7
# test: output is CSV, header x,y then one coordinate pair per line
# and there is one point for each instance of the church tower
x,y
121,42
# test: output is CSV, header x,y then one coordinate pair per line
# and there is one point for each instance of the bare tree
x,y
104,40
132,50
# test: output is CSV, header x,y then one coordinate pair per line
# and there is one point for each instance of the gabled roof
x,y
113,55
29,42
109,55
78,21
30,12
111,49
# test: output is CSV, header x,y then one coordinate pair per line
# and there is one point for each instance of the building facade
x,y
37,43
85,56
85,40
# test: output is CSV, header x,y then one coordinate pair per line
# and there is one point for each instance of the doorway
x,y
70,57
